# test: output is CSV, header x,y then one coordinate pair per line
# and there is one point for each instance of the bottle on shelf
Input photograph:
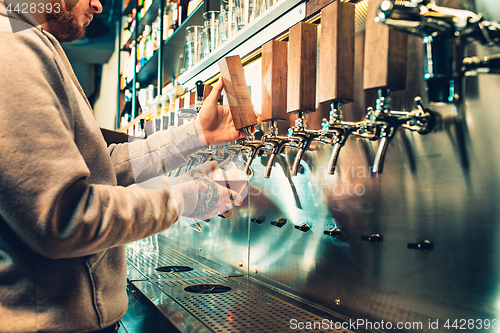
x,y
126,114
175,15
156,34
149,44
128,67
140,7
127,32
192,6
168,14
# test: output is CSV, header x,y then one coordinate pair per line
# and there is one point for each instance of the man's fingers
x,y
235,198
226,214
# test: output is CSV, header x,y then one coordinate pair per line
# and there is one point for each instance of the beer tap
x,y
274,94
336,77
240,103
446,32
189,113
387,72
301,90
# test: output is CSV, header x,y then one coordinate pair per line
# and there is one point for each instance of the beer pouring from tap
x,y
274,95
240,103
301,90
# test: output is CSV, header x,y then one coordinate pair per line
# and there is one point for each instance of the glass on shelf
x,y
230,19
251,9
211,35
193,46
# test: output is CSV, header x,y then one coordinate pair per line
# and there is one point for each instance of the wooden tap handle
x,y
274,72
302,58
385,54
207,91
237,92
192,100
336,58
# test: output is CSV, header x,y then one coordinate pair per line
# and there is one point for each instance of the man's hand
x,y
214,199
216,121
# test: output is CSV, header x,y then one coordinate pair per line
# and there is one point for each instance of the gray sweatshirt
x,y
69,203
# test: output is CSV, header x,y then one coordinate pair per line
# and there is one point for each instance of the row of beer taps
x,y
289,77
336,84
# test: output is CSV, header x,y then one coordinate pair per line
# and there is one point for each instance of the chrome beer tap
x,y
335,132
446,32
240,103
191,113
386,72
382,123
300,138
301,90
274,95
336,77
274,145
254,148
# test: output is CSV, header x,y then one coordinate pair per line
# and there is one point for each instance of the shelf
x,y
172,50
277,19
148,19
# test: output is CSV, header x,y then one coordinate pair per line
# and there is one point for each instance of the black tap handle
x,y
199,89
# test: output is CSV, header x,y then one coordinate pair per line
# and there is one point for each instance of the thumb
x,y
213,97
236,199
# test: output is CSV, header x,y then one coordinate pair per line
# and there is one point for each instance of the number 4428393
x,y
469,324
33,8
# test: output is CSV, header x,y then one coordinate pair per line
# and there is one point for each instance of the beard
x,y
64,25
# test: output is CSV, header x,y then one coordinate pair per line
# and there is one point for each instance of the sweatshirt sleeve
x,y
45,195
163,151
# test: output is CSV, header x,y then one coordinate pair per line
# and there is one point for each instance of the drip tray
x,y
227,305
167,264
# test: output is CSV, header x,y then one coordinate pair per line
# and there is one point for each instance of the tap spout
x,y
378,163
332,163
301,139
275,145
269,165
339,131
296,162
254,147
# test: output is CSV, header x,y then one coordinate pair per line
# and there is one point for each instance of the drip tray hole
x,y
207,289
170,269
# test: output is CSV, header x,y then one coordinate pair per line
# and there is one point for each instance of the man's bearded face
x,y
64,25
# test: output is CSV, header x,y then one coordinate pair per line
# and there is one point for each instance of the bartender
x,y
68,202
